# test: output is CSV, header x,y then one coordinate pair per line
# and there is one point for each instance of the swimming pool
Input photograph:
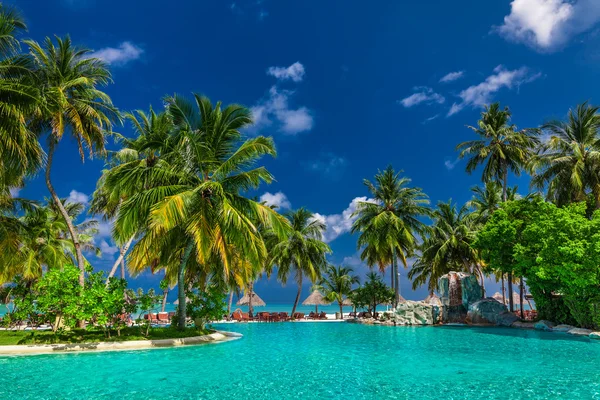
x,y
324,360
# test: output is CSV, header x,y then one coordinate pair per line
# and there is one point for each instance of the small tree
x,y
337,284
60,297
206,306
146,302
372,293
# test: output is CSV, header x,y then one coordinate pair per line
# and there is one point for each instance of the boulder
x,y
485,311
457,291
595,335
414,313
544,325
580,332
523,325
507,319
562,328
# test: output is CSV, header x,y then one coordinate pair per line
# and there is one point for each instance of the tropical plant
x,y
447,246
194,218
388,225
501,149
373,293
337,284
68,81
568,162
20,152
302,252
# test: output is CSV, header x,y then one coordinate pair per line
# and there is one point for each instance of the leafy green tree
x,y
302,252
389,224
60,296
373,293
206,305
146,303
447,246
68,81
337,284
556,250
501,149
567,164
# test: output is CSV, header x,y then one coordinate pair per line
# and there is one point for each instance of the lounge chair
x,y
298,315
264,316
368,315
237,316
361,314
171,315
163,317
275,317
245,317
284,316
376,315
312,315
322,315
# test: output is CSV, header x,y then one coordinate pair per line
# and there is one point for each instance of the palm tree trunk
x,y
164,300
511,306
341,310
521,287
503,291
510,277
229,305
392,275
297,299
181,286
250,310
123,268
119,260
396,279
65,215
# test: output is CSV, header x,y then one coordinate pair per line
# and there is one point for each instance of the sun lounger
x,y
352,314
284,316
275,317
368,315
237,316
163,317
322,315
298,315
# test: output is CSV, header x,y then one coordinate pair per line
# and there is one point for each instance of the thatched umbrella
x,y
256,301
516,299
315,299
176,302
347,303
433,299
498,296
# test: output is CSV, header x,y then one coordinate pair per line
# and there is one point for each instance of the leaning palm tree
x,y
446,247
68,82
195,220
302,252
389,225
337,284
501,149
20,152
568,163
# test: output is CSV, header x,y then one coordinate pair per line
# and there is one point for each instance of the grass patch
x,y
94,335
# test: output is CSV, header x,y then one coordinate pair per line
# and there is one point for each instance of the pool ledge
x,y
23,350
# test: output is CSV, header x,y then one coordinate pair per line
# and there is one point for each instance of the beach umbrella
x,y
497,296
347,303
433,299
256,301
516,301
315,299
176,302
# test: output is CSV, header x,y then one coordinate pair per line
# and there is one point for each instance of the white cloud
x,y
121,55
295,72
78,197
14,192
452,76
547,25
431,118
278,199
449,164
422,95
481,94
338,224
276,108
107,249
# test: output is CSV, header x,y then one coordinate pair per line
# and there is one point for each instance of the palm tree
x,y
390,223
40,234
302,252
337,284
196,219
567,164
68,82
152,139
501,148
446,247
20,152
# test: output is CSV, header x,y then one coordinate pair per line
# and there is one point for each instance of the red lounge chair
x,y
284,316
312,315
264,317
275,317
171,315
163,317
298,315
237,316
322,315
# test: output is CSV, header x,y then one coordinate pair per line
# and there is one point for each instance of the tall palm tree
x,y
302,252
390,223
446,247
197,220
152,139
337,284
69,81
501,149
20,152
568,163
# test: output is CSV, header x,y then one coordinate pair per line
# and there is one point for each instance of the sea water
x,y
324,361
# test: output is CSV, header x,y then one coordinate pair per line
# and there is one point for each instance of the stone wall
x,y
416,313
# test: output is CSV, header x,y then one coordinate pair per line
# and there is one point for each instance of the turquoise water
x,y
325,361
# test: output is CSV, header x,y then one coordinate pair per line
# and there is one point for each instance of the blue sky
x,y
344,87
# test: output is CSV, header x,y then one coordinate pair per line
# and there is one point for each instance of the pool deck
x,y
24,350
